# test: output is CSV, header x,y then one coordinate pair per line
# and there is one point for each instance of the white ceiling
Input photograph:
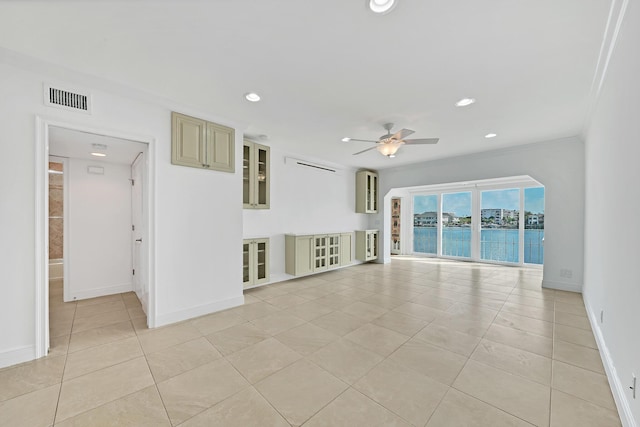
x,y
334,69
79,145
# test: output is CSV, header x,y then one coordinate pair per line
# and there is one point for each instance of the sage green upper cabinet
x,y
200,144
220,147
366,192
255,176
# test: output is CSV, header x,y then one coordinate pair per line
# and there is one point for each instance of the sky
x,y
460,203
501,199
534,199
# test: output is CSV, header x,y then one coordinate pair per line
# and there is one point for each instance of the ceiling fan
x,y
389,144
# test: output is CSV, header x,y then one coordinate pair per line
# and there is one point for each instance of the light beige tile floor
x,y
419,342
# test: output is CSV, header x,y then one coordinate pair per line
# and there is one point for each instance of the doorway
x,y
127,164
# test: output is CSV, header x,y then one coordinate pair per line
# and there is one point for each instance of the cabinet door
x,y
345,249
304,255
188,146
333,250
262,177
373,245
220,148
319,253
373,192
247,262
261,248
247,176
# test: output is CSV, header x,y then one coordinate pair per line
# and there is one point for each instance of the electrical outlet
x,y
566,273
633,385
601,316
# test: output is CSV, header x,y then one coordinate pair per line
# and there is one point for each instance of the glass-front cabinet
x,y
366,192
366,245
333,250
255,262
306,254
320,253
255,176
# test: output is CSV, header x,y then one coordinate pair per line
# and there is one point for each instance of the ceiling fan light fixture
x,y
389,149
381,6
346,139
465,102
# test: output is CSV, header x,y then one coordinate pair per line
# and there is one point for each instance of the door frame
x,y
41,158
141,292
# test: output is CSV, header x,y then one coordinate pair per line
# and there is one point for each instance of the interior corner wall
x,y
99,229
197,213
612,239
303,201
558,165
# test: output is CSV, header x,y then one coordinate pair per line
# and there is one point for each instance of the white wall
x,y
99,229
558,165
303,201
612,236
198,214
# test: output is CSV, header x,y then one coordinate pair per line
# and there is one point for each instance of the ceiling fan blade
x,y
364,151
422,141
401,134
362,140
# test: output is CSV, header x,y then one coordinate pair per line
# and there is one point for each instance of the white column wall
x,y
612,235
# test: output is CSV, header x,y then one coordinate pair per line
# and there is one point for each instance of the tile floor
x,y
419,342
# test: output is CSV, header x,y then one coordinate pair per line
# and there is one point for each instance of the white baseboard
x,y
617,389
562,286
99,292
17,355
199,310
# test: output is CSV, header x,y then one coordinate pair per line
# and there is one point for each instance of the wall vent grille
x,y
67,99
311,165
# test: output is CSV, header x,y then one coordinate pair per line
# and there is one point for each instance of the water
x,y
495,244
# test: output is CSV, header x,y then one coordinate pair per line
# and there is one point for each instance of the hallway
x,y
420,342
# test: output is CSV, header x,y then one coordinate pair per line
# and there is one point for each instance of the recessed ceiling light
x,y
99,154
464,102
381,6
491,135
346,139
252,96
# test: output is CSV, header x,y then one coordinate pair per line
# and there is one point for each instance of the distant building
x,y
450,218
500,216
426,219
535,219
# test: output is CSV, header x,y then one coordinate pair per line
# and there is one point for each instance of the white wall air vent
x,y
310,165
55,96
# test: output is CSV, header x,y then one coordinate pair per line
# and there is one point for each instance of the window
x,y
456,224
499,222
425,224
500,225
534,225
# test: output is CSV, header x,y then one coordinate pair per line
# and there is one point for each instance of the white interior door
x,y
140,281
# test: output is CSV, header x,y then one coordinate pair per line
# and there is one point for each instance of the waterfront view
x,y
499,218
498,244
